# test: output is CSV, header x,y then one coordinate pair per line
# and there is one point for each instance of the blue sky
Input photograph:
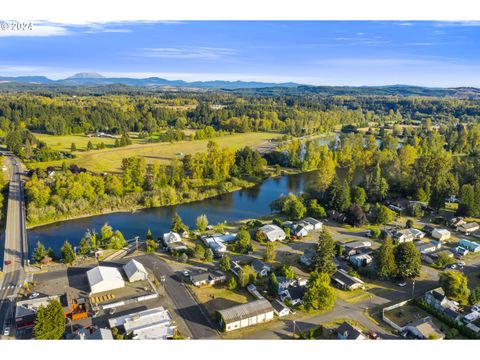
x,y
320,53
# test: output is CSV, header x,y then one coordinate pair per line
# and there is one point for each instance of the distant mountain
x,y
97,79
100,84
86,75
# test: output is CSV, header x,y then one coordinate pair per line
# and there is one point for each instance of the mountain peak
x,y
86,75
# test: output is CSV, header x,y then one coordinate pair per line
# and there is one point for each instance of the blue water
x,y
247,203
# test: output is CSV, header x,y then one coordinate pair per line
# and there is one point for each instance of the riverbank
x,y
134,209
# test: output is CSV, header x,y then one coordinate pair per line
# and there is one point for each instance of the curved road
x,y
16,249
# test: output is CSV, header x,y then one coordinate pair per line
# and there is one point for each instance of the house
x,y
260,268
360,260
317,225
103,278
293,293
284,283
345,281
349,332
308,257
244,315
173,241
354,247
445,252
208,278
456,221
279,308
93,334
171,237
426,248
151,324
468,228
135,271
437,299
460,251
299,230
441,234
273,232
424,329
305,224
184,234
469,245
407,235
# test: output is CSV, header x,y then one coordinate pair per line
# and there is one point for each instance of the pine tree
x,y
225,263
39,253
177,223
269,255
68,254
84,247
50,322
385,259
273,285
324,254
232,283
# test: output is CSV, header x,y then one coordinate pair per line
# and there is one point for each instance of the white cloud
x,y
189,52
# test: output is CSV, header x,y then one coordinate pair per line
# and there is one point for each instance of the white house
x,y
244,315
103,278
208,278
299,230
273,232
280,308
468,228
171,237
441,234
135,271
317,225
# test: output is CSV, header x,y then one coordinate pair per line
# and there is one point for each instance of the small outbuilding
x,y
441,234
135,271
244,315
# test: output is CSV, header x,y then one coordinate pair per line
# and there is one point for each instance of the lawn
x,y
219,298
353,296
110,159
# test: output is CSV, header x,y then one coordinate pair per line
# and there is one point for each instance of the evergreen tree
x,y
324,254
273,285
208,255
73,147
385,259
177,223
224,263
50,322
359,196
202,222
407,260
338,196
39,253
84,247
68,254
269,254
232,283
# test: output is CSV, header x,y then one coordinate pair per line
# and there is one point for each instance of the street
x,y
15,253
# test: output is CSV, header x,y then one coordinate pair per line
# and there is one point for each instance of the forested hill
x,y
97,84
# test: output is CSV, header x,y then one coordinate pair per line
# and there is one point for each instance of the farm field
x,y
110,159
64,142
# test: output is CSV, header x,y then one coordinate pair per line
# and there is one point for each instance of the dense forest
x,y
422,148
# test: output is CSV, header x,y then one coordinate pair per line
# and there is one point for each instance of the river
x,y
247,203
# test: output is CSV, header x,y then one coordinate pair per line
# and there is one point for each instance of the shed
x,y
243,315
135,271
441,234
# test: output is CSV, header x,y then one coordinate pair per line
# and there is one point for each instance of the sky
x,y
440,54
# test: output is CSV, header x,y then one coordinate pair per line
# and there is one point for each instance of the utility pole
x,y
413,289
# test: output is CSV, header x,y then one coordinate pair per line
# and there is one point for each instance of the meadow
x,y
110,159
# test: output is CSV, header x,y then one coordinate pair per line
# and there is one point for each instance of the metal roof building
x,y
135,271
248,314
103,278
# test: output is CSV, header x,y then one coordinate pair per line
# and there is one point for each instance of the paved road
x,y
185,305
15,242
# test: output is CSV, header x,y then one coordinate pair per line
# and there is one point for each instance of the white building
x,y
317,225
103,278
151,324
171,237
135,271
441,234
273,232
468,228
244,315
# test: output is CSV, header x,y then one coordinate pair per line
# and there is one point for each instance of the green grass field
x,y
64,142
110,159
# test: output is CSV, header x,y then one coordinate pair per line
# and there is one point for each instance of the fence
x,y
391,307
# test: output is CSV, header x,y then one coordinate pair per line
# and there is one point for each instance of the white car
x,y
6,332
34,295
453,266
402,284
476,308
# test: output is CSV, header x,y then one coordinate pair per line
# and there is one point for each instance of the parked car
x,y
8,262
112,311
6,332
34,295
373,335
453,266
186,273
476,308
402,284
